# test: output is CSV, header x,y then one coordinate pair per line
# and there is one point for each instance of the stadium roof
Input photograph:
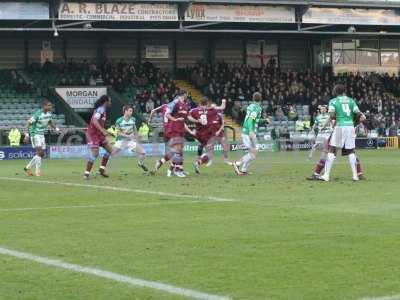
x,y
336,3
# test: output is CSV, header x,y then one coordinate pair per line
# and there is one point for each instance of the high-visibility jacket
x,y
113,131
299,125
144,132
14,136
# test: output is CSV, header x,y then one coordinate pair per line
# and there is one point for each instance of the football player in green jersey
x,y
343,109
37,125
249,134
322,128
127,136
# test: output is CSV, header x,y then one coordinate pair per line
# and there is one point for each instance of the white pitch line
x,y
394,297
121,189
112,276
92,206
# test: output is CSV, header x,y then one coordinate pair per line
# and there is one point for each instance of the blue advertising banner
x,y
10,153
81,151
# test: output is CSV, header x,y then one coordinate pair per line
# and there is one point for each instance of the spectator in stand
x,y
149,105
374,92
47,66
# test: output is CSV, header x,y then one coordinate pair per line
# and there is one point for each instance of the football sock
x,y
246,161
32,162
359,167
38,164
203,159
200,150
320,165
328,165
142,157
353,164
89,166
104,161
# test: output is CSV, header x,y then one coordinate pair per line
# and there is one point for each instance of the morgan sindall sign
x,y
81,98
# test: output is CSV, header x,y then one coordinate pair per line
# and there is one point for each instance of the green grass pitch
x,y
282,238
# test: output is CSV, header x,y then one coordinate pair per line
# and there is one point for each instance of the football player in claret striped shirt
x,y
37,126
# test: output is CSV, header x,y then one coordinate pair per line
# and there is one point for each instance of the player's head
x,y
257,97
127,110
47,105
323,109
102,101
182,95
204,101
339,90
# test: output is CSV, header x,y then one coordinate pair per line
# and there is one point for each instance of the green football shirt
x,y
253,116
320,122
345,109
125,126
39,122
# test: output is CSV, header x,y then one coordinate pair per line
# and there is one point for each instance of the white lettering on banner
x,y
240,13
157,51
118,11
323,15
81,97
79,151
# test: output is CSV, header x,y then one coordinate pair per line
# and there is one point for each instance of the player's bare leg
x,y
167,157
225,151
360,171
246,159
313,148
105,159
93,154
205,158
177,160
33,162
141,157
319,166
36,162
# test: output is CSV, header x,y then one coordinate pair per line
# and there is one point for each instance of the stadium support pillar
x,y
101,55
139,49
64,49
26,53
210,55
174,58
244,51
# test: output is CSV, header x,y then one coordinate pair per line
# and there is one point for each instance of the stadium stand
x,y
292,98
18,102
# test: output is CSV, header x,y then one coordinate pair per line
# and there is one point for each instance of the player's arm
x,y
28,125
135,132
97,125
359,115
327,123
221,128
120,132
192,119
222,106
53,126
188,130
154,111
253,122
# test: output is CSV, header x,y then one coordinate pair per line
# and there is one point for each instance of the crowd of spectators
x,y
283,91
153,86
